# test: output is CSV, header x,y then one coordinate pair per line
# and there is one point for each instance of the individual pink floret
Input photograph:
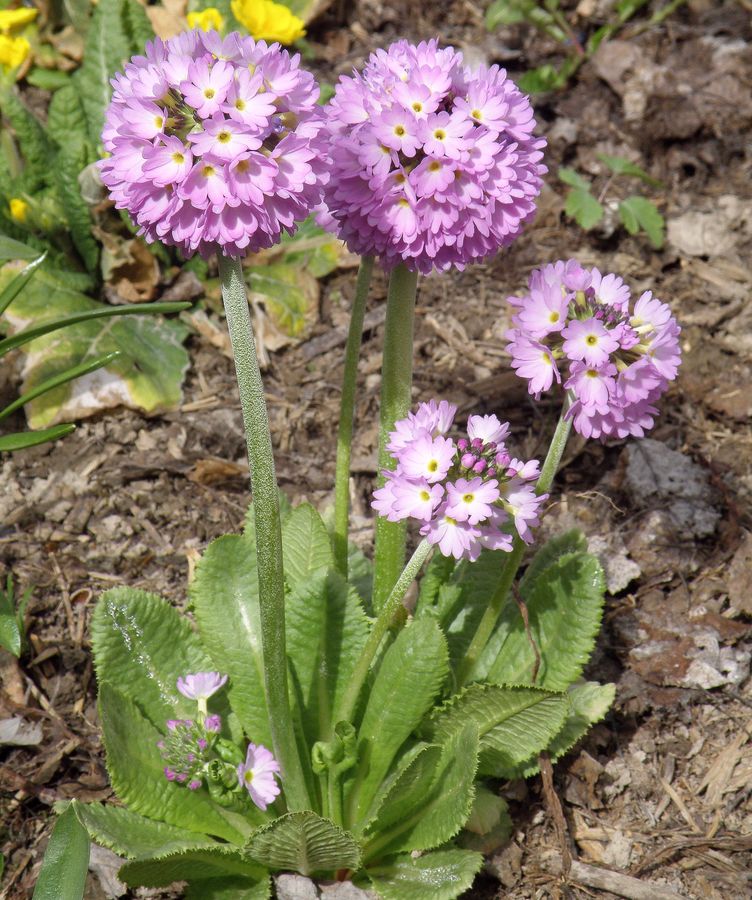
x,y
201,685
257,773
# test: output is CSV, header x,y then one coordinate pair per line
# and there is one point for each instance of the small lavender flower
x,y
214,144
257,773
575,327
185,751
467,494
433,165
201,685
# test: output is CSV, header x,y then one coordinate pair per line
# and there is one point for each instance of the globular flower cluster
x,y
188,749
214,144
433,165
467,493
578,328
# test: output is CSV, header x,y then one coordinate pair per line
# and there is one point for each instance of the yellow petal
x,y
206,19
18,209
16,18
13,51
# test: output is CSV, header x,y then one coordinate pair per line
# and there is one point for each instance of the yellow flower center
x,y
591,373
591,340
243,166
207,171
434,166
224,137
477,114
424,495
209,93
468,498
554,317
439,134
432,465
417,106
177,157
240,104
158,121
399,130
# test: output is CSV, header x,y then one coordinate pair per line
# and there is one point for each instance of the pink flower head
x,y
201,685
615,363
463,143
214,144
257,773
459,491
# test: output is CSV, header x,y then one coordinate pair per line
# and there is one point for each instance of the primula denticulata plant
x,y
302,719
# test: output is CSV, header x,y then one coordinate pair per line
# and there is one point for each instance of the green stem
x,y
396,385
346,709
512,562
346,416
268,530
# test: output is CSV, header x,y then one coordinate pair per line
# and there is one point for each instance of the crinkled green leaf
x,y
326,631
70,160
36,148
10,249
564,606
440,875
47,79
489,824
514,723
589,703
147,375
224,595
409,678
136,25
143,644
360,573
136,773
437,573
129,834
228,889
437,816
66,119
306,547
639,212
304,842
66,861
582,206
573,541
162,869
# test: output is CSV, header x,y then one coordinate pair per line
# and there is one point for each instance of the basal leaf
x,y
66,119
304,842
326,630
514,723
71,159
573,541
10,249
164,869
224,595
136,25
409,678
441,875
489,824
312,248
237,888
147,375
360,573
36,148
306,547
143,644
66,861
589,703
136,772
582,206
639,212
440,813
129,834
437,573
564,605
289,294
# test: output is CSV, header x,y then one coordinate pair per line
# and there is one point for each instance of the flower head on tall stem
x,y
574,326
434,165
214,144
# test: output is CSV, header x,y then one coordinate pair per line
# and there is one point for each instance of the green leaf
x,y
306,547
66,119
36,148
289,294
127,618
582,206
589,703
360,573
312,248
573,541
410,676
129,834
489,825
639,212
66,861
25,439
564,605
543,78
136,773
18,282
440,813
162,869
305,843
10,249
438,572
326,631
136,25
573,178
621,166
71,159
10,635
224,595
228,889
107,48
47,79
441,875
147,375
514,723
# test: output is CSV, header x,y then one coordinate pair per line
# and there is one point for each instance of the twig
x,y
613,882
531,640
553,804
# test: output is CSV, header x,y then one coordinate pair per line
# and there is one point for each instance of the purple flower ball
x,y
434,165
214,144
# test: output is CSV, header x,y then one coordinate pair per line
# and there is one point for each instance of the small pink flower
x,y
416,499
201,685
589,340
488,428
453,538
207,85
471,501
223,139
257,773
428,458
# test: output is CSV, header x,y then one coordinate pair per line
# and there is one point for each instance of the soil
x,y
660,791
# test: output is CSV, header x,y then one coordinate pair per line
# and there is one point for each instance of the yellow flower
x,y
13,51
268,21
15,18
207,19
18,209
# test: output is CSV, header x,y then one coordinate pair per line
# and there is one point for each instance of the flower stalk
x,y
347,414
396,387
268,530
512,562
